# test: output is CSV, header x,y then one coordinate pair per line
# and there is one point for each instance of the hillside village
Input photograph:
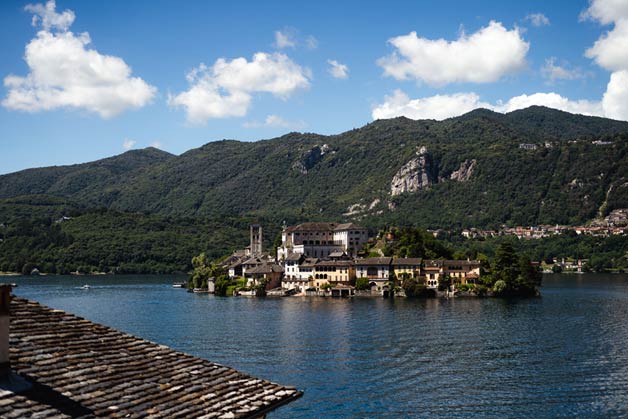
x,y
328,258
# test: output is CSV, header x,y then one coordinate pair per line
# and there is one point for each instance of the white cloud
x,y
225,89
553,72
128,144
551,100
609,52
275,121
435,107
615,99
338,70
538,19
485,56
156,144
441,107
606,11
64,73
285,38
48,16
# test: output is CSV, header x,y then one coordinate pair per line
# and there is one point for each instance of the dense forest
x,y
150,211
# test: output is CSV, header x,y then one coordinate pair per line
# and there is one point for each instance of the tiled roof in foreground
x,y
81,369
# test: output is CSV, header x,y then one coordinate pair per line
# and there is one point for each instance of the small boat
x,y
200,291
178,285
85,287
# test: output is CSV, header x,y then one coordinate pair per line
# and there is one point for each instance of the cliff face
x,y
415,175
465,171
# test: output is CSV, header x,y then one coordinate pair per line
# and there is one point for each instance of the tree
x,y
221,285
362,284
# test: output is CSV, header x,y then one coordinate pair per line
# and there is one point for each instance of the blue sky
x,y
87,80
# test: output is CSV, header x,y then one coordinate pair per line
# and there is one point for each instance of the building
x,y
377,270
268,273
255,246
462,271
332,272
407,267
319,240
62,366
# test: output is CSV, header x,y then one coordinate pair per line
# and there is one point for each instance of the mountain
x,y
147,211
71,181
464,171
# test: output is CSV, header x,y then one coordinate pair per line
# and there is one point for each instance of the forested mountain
x,y
465,171
481,169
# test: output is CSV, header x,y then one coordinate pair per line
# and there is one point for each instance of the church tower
x,y
256,240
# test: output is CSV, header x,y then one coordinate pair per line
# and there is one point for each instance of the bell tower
x,y
256,240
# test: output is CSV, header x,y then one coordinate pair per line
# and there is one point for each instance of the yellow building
x,y
407,267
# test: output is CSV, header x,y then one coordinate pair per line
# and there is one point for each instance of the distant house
x,y
525,146
377,270
270,273
333,272
407,267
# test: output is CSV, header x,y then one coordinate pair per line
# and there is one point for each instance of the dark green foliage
x,y
513,274
416,243
362,284
413,288
221,285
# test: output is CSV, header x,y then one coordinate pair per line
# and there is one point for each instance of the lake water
x,y
562,355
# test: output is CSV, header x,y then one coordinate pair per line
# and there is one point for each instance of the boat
x,y
200,291
178,285
85,287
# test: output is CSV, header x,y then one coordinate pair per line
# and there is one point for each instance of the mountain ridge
x,y
348,175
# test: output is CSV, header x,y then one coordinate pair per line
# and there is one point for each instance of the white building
x,y
319,240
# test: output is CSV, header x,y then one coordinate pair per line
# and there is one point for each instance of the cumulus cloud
x,y
338,70
482,57
225,89
128,144
441,107
275,121
609,52
65,73
553,72
606,11
434,107
47,16
537,19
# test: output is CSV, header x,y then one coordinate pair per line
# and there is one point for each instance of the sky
x,y
84,80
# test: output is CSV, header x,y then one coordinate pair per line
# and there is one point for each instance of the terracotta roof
x,y
374,261
83,369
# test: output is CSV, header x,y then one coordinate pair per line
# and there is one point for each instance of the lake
x,y
562,355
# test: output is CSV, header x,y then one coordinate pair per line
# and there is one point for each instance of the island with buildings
x,y
326,258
